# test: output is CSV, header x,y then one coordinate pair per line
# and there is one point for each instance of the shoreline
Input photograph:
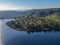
x,y
29,29
9,24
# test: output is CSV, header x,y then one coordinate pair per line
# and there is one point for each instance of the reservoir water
x,y
13,37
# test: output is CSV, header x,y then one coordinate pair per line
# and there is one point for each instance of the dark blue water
x,y
13,37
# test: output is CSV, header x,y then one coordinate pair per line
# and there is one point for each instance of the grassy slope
x,y
55,17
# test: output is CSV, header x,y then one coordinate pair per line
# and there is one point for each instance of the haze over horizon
x,y
28,4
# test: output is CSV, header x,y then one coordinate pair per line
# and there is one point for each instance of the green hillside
x,y
55,16
37,22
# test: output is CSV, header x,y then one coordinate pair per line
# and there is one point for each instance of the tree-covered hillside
x,y
37,22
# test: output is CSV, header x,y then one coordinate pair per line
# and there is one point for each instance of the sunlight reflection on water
x,y
0,32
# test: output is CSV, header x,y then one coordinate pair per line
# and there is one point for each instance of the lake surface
x,y
13,37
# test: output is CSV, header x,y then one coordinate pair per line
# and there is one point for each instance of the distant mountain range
x,y
40,12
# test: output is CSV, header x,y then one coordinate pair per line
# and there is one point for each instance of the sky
x,y
28,4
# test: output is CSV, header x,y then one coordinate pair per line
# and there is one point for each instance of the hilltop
x,y
40,12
